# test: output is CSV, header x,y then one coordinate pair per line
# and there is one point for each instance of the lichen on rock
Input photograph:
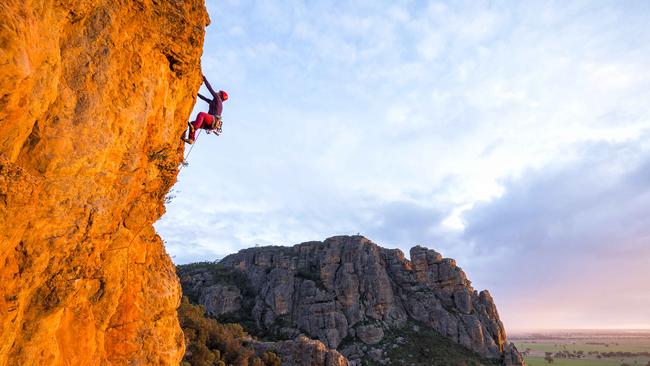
x,y
93,98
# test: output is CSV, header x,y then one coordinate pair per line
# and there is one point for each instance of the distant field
x,y
589,346
539,361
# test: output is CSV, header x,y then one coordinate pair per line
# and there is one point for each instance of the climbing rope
x,y
127,289
185,163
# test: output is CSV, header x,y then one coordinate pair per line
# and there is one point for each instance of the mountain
x,y
369,303
93,98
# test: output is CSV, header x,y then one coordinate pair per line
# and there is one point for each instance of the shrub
x,y
212,343
271,359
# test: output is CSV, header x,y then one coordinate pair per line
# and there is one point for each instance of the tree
x,y
271,359
549,357
212,343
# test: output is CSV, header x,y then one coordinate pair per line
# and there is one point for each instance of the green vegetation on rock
x,y
223,275
210,343
219,274
416,344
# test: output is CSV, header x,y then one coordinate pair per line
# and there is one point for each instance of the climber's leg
x,y
198,123
191,131
189,140
203,120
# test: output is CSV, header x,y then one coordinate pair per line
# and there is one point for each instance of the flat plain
x,y
585,347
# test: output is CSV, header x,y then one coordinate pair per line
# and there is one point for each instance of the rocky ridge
x,y
93,97
350,294
301,351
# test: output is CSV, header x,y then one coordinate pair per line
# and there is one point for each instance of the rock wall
x,y
347,292
302,351
93,98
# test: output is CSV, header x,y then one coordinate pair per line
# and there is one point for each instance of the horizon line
x,y
519,330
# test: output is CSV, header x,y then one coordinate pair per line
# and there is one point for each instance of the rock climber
x,y
211,121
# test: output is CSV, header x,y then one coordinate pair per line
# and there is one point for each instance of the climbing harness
x,y
217,122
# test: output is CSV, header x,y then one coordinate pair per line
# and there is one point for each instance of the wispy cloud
x,y
577,237
492,131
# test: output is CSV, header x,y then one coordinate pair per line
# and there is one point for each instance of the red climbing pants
x,y
204,121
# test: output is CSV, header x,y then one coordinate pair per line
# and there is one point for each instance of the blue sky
x,y
512,136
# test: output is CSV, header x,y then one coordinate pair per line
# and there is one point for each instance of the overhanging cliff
x,y
93,98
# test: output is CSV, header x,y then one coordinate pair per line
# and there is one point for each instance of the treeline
x,y
210,343
581,354
550,357
622,354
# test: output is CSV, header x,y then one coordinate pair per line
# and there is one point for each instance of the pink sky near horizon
x,y
615,297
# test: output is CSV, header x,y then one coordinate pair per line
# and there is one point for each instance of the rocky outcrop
x,y
347,292
512,357
93,97
221,299
302,351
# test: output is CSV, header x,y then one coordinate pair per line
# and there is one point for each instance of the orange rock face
x,y
93,98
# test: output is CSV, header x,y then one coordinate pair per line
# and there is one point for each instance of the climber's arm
x,y
204,98
207,84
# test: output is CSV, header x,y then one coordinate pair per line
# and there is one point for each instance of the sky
x,y
512,136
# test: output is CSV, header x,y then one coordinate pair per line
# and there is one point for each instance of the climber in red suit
x,y
210,121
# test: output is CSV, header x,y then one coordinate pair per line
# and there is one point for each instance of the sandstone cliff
x,y
93,98
354,296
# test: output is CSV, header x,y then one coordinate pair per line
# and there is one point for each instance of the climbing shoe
x,y
186,140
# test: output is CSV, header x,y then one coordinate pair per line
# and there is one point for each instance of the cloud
x,y
498,133
573,238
